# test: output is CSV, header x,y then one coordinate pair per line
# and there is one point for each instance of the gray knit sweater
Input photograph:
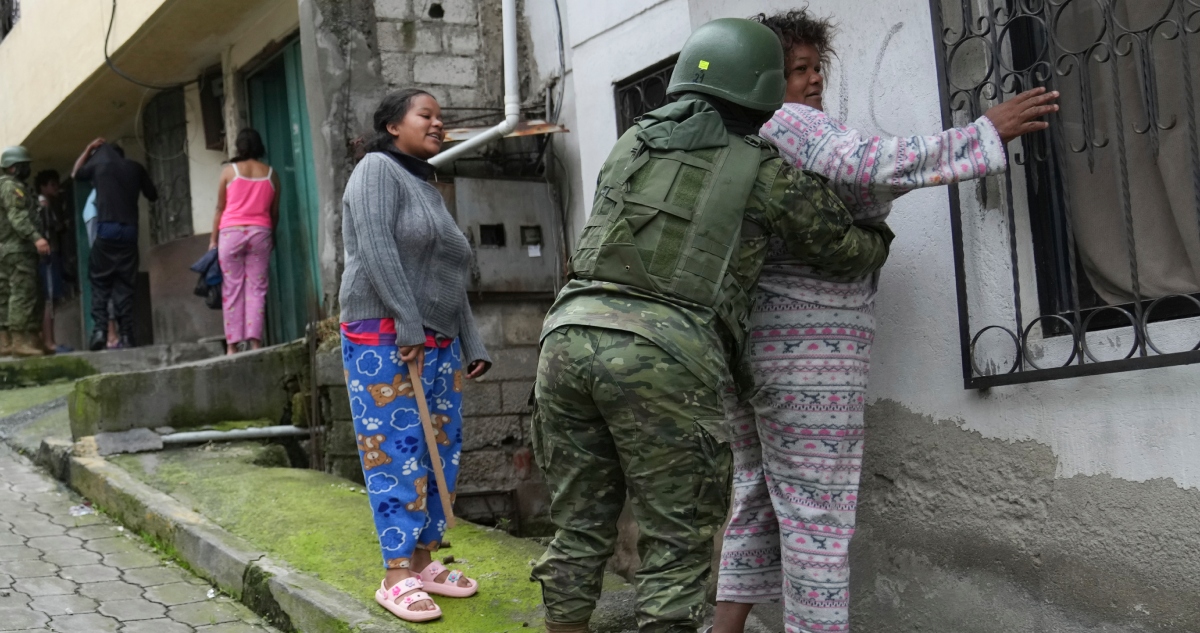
x,y
406,259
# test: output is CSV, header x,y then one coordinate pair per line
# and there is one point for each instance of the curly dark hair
x,y
799,26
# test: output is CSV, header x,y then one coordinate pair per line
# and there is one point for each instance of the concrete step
x,y
254,385
29,372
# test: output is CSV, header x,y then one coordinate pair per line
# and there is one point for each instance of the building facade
x,y
998,496
1030,462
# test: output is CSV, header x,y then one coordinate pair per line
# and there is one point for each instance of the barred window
x,y
1094,234
164,132
641,93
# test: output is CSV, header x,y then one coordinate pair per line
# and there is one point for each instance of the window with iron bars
x,y
10,12
1085,258
642,93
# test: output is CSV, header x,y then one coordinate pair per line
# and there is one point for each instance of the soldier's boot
x,y
5,343
567,627
26,344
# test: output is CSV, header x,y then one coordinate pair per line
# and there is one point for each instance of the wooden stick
x,y
435,456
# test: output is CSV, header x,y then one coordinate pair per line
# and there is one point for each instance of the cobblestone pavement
x,y
86,575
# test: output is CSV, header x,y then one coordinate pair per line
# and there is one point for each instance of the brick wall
x,y
451,48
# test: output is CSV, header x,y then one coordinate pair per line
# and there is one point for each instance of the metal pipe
x,y
512,94
256,433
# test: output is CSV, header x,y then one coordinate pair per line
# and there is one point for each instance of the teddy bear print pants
x,y
391,443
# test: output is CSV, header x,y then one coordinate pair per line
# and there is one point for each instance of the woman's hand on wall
x,y
477,369
1020,114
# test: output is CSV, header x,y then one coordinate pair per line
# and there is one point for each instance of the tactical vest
x,y
670,222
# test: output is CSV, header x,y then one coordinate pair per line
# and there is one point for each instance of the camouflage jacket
x,y
18,213
794,205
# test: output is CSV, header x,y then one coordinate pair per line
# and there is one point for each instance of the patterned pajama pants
x,y
244,253
798,451
391,443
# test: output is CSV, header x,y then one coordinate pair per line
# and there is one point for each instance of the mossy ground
x,y
322,525
28,372
17,400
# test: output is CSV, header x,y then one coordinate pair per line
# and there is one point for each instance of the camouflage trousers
x,y
616,414
19,292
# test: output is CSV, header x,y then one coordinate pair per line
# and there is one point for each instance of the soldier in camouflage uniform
x,y
637,348
20,244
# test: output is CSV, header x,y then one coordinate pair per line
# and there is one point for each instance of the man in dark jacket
x,y
114,262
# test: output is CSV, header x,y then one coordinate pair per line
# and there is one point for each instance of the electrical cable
x,y
562,68
108,60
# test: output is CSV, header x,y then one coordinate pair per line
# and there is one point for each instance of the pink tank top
x,y
248,201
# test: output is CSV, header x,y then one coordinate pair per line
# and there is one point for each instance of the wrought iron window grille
x,y
642,93
164,137
1093,236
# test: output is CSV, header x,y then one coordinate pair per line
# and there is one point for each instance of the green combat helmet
x,y
13,155
737,60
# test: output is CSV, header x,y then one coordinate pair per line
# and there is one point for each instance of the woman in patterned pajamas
x,y
798,433
404,299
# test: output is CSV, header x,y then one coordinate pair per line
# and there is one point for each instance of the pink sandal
x,y
450,588
400,607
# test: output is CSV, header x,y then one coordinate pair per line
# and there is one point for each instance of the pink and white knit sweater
x,y
869,172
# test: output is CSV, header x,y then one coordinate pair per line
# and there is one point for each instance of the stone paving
x,y
86,575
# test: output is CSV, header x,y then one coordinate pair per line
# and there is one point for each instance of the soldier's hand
x,y
1019,115
43,247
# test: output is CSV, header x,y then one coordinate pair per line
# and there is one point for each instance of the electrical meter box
x,y
513,227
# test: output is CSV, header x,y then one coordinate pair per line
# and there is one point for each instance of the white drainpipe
x,y
512,94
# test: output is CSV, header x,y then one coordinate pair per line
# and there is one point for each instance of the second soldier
x,y
20,245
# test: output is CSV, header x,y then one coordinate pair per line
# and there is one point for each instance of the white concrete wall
x,y
1136,426
58,64
275,21
543,30
204,166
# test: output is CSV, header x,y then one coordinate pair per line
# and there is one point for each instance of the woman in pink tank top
x,y
247,211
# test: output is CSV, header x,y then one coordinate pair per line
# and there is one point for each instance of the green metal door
x,y
279,112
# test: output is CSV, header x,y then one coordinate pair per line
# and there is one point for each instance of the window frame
x,y
660,70
1049,225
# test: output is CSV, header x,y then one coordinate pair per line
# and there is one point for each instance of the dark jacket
x,y
118,181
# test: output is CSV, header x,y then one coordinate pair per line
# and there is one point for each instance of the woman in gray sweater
x,y
404,298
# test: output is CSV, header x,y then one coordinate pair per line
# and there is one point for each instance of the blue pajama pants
x,y
391,443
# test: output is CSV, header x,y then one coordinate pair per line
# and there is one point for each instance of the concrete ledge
x,y
220,556
28,372
250,386
309,605
290,600
31,372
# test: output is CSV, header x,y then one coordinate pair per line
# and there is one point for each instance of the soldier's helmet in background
x,y
14,155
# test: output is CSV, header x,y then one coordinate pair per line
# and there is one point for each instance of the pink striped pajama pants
x,y
244,253
797,450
